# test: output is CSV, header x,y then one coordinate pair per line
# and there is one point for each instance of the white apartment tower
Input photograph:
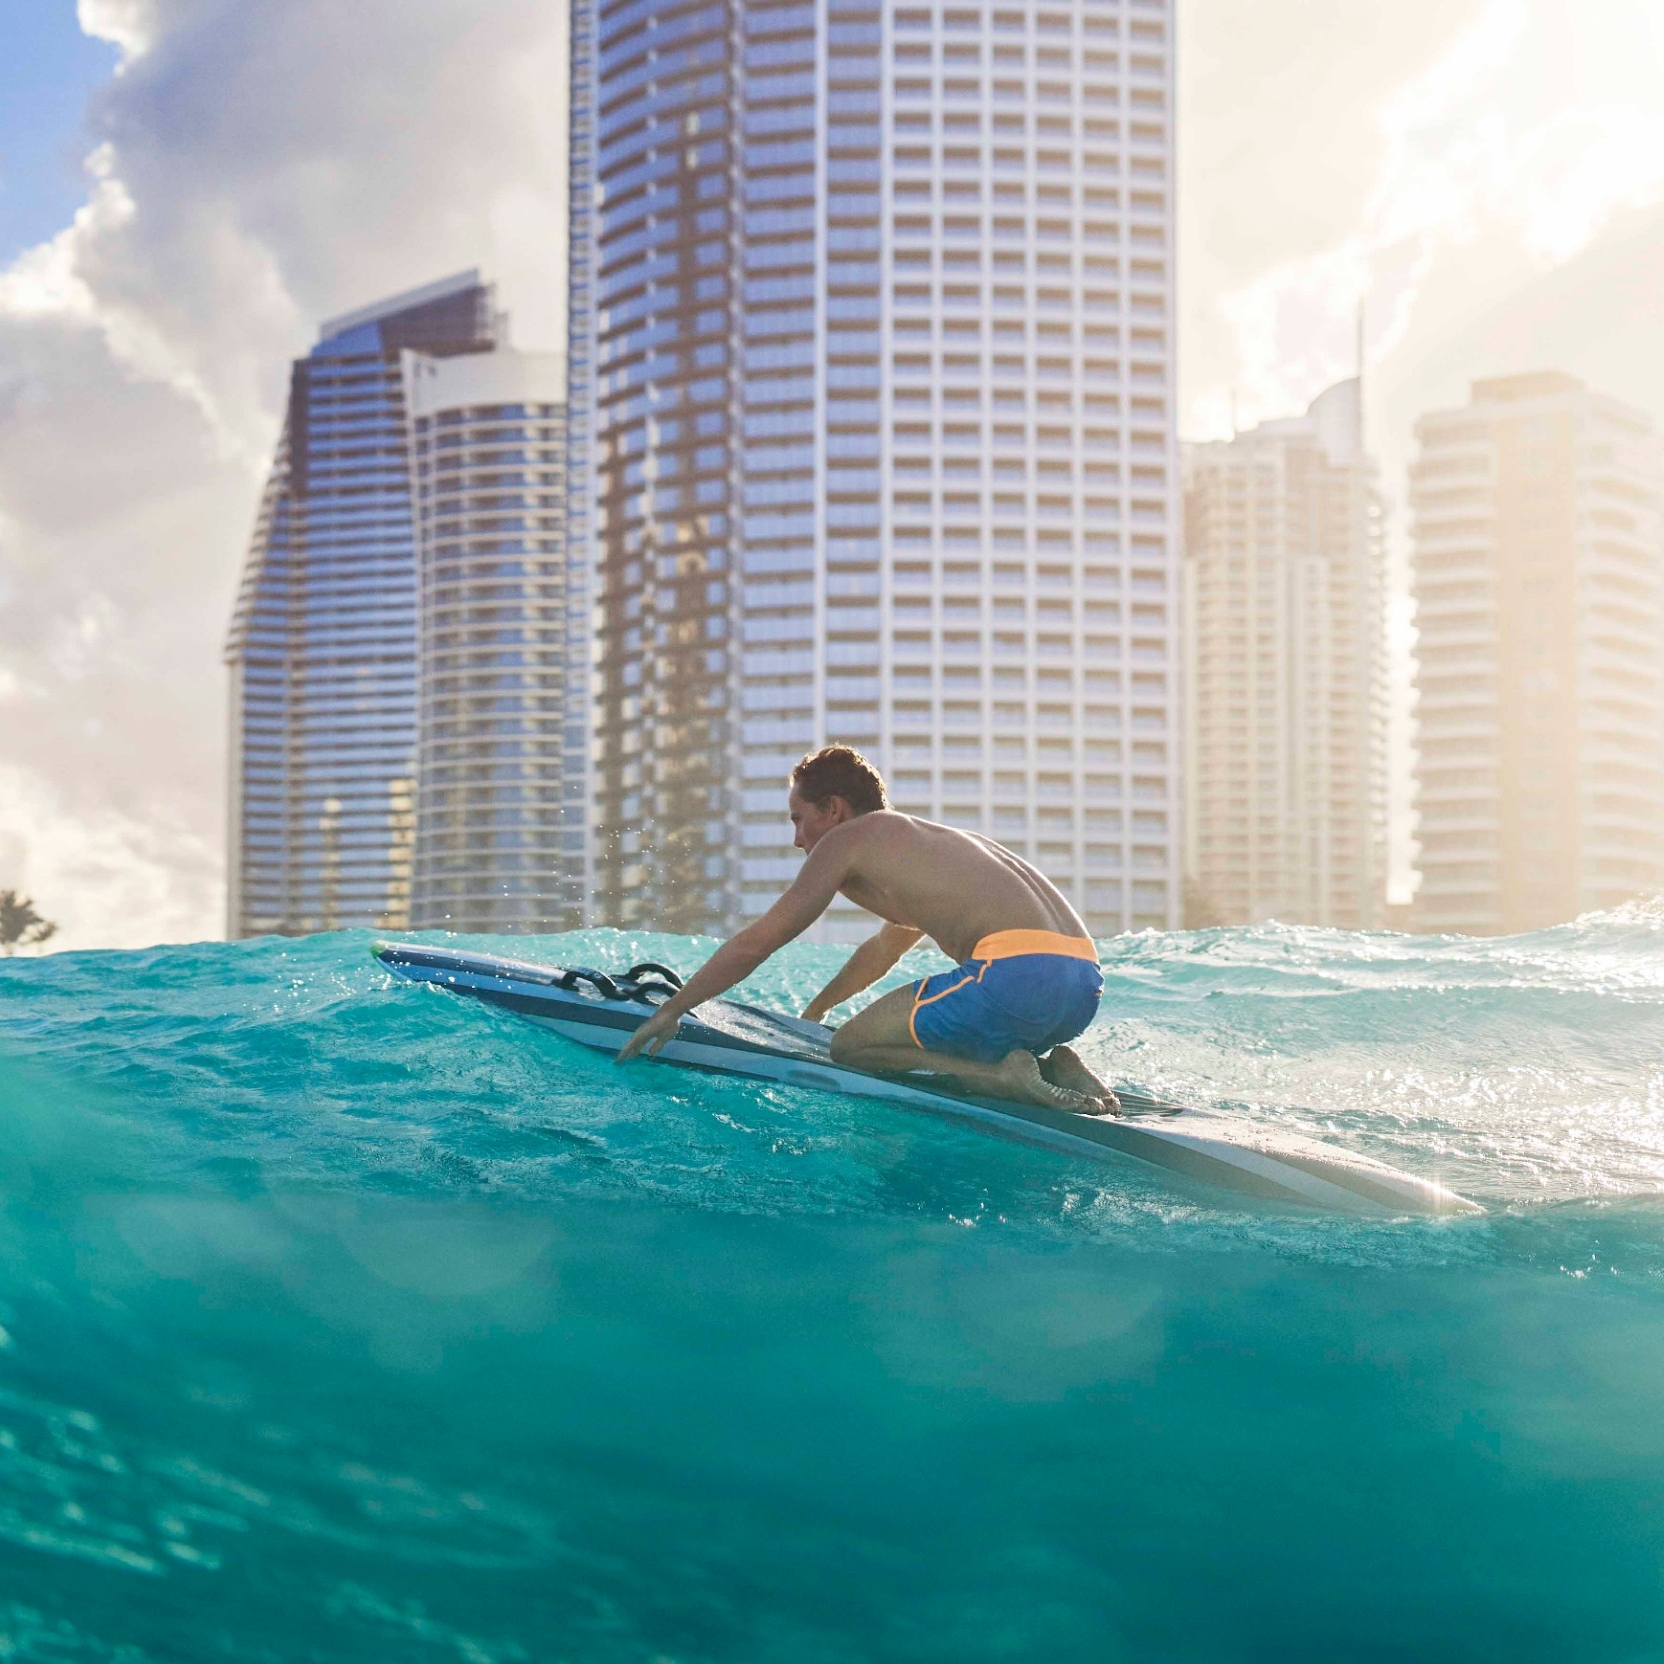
x,y
1541,706
487,482
871,398
1286,702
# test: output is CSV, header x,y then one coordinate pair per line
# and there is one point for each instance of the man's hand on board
x,y
659,1029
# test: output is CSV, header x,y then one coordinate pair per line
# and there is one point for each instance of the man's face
x,y
811,822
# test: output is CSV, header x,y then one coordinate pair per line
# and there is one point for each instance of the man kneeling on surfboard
x,y
1027,981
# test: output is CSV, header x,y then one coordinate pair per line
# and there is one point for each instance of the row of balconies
x,y
1632,643
1458,877
962,619
1623,839
909,193
1636,583
1626,722
1450,648
1635,560
1434,699
1048,612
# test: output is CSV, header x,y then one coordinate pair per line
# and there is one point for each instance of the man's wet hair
x,y
840,771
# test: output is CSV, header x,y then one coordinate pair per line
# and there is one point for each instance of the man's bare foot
x,y
1062,1066
1021,1081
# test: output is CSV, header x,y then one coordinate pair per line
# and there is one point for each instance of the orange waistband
x,y
1009,944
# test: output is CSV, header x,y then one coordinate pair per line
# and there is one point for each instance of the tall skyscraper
x,y
322,646
1538,558
488,467
872,429
1285,669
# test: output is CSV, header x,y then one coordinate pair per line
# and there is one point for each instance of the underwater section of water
x,y
342,1319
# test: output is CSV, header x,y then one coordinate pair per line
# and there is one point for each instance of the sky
x,y
188,186
51,66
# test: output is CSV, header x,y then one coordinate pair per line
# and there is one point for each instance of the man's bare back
x,y
952,886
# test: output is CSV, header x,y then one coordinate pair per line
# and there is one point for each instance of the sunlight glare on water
x,y
341,1318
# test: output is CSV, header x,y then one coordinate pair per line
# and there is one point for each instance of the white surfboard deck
x,y
731,1038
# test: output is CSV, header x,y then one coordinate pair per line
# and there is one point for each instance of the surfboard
x,y
729,1037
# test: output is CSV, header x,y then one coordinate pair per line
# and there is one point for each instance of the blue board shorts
x,y
1021,990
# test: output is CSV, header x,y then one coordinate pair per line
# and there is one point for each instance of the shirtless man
x,y
1027,979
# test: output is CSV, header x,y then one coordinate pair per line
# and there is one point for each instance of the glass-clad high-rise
x,y
322,647
488,461
872,435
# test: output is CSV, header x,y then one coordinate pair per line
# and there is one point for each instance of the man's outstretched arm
x,y
863,968
823,871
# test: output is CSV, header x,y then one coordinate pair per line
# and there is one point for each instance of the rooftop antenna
x,y
1358,354
1233,413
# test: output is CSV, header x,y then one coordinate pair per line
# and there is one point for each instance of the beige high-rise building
x,y
1285,761
1540,779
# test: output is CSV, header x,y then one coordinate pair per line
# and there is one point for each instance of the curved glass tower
x,y
322,647
872,436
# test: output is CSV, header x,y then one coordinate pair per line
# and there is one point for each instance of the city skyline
x,y
154,342
1296,496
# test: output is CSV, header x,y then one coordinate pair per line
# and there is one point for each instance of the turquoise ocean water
x,y
345,1320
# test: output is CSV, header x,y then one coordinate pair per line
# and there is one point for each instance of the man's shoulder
x,y
883,823
877,826
888,835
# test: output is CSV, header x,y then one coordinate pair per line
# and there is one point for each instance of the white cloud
x,y
129,24
107,880
1582,168
1495,139
252,169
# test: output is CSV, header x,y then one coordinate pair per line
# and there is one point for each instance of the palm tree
x,y
20,925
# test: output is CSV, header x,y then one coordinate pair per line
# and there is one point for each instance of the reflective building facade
x,y
872,426
322,646
488,466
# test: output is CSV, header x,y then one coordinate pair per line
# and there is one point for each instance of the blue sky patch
x,y
48,68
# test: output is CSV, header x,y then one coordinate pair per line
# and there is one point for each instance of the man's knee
x,y
844,1049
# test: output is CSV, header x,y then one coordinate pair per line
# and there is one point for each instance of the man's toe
x,y
1064,1097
